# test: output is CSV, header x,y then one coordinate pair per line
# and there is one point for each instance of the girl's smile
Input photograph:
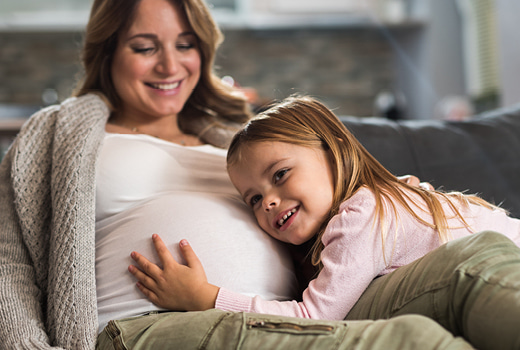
x,y
289,187
284,220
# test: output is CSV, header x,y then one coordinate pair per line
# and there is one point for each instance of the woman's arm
x,y
21,316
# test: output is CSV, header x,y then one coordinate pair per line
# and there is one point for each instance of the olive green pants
x,y
220,330
470,286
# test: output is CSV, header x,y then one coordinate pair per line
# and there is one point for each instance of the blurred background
x,y
399,59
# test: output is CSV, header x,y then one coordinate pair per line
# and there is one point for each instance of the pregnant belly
x,y
235,253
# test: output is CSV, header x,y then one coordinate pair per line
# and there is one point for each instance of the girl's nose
x,y
270,202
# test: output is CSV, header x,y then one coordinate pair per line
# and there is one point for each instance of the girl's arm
x,y
352,258
174,286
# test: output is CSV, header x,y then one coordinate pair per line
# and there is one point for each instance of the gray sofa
x,y
478,156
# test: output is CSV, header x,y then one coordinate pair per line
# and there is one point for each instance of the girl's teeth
x,y
288,215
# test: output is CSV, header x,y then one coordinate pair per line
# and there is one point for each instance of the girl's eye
x,y
279,174
255,199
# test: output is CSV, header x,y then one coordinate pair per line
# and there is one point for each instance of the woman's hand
x,y
415,182
174,286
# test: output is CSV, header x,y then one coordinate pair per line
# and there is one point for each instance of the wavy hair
x,y
213,112
304,121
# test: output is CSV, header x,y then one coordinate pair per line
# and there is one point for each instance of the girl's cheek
x,y
263,224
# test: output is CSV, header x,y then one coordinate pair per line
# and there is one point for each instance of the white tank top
x,y
146,185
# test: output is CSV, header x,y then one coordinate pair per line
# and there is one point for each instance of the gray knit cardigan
x,y
47,228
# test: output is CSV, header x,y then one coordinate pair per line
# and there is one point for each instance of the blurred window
x,y
223,4
47,5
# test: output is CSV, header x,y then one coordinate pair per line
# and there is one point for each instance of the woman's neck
x,y
165,128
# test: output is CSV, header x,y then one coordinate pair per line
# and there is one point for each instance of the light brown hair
x,y
214,110
306,122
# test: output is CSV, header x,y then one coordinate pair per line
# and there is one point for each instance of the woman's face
x,y
157,62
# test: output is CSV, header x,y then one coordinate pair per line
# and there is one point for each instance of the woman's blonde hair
x,y
214,110
304,121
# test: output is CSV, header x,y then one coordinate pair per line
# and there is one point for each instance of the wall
x,y
33,62
345,67
429,61
509,50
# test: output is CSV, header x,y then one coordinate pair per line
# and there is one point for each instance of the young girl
x,y
305,176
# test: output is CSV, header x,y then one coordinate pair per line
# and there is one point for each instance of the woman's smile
x,y
165,89
164,86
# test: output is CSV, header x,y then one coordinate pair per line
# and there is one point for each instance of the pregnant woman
x,y
141,149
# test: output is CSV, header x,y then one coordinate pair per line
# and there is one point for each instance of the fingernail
x,y
154,236
132,254
183,242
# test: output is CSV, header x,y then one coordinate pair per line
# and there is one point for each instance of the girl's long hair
x,y
304,121
214,111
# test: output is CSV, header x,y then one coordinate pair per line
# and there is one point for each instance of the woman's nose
x,y
168,64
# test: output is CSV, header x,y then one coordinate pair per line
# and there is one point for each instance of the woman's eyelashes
x,y
143,50
186,46
187,41
150,49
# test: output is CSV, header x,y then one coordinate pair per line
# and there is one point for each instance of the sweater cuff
x,y
231,301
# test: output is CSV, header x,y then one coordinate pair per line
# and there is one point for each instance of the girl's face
x,y
289,187
157,62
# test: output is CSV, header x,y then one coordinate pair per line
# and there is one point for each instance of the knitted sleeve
x,y
47,228
21,314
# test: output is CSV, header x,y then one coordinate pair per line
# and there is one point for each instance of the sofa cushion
x,y
480,156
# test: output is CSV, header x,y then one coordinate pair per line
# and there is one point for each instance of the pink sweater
x,y
353,255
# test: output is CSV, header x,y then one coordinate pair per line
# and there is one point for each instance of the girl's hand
x,y
174,286
415,182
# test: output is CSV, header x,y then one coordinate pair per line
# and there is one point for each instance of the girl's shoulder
x,y
358,210
363,198
354,219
